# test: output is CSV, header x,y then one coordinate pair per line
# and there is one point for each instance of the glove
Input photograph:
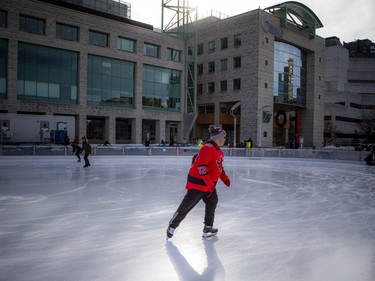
x,y
227,182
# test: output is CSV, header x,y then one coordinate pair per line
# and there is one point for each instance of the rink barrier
x,y
140,150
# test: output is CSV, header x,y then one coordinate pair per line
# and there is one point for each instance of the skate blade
x,y
209,234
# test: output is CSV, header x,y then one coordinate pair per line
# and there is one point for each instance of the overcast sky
x,y
347,19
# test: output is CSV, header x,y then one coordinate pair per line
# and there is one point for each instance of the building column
x,y
81,125
217,114
160,130
110,129
12,75
137,130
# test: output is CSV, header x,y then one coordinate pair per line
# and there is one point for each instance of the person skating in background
x,y
370,159
66,140
206,169
86,147
76,148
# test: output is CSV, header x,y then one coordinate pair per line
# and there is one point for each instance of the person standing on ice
x,y
76,148
206,169
87,148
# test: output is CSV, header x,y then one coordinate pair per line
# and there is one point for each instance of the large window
x,y
110,81
3,18
32,25
67,32
211,46
125,44
223,86
48,74
123,130
237,62
223,64
206,109
200,49
161,88
236,84
237,40
174,55
211,66
211,87
3,68
95,129
289,75
98,38
151,50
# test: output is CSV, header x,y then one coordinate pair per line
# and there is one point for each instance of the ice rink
x,y
281,220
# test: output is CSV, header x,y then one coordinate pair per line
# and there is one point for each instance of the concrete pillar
x,y
137,130
110,129
81,125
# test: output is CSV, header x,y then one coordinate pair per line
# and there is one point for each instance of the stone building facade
x,y
244,75
258,76
114,121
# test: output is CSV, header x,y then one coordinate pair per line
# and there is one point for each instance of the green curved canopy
x,y
296,14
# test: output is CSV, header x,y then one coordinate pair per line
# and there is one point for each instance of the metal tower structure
x,y
178,19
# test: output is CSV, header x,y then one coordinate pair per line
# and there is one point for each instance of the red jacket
x,y
207,168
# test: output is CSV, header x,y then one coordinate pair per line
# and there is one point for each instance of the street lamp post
x,y
234,121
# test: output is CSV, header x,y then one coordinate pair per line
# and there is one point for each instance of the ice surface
x,y
282,219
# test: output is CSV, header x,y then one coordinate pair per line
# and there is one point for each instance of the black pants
x,y
78,152
86,158
191,199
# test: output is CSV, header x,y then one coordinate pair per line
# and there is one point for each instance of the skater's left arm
x,y
224,177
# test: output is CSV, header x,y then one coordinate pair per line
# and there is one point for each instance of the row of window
x,y
343,118
223,86
51,74
69,32
211,45
357,105
211,66
96,130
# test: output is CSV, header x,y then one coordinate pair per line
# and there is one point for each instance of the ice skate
x,y
170,231
209,231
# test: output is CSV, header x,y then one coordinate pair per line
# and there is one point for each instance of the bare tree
x,y
330,133
367,126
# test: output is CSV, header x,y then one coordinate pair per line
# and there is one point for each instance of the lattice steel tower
x,y
179,19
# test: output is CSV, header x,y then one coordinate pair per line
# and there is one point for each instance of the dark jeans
x,y
78,152
86,158
191,199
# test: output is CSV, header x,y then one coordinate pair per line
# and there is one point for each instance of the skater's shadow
x,y
213,272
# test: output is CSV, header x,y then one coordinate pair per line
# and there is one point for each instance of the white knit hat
x,y
216,132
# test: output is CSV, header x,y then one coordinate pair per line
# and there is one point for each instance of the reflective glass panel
x,y
47,74
110,81
289,75
161,88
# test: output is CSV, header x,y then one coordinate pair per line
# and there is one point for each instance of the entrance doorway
x,y
173,134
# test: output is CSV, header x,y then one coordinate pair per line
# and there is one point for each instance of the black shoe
x,y
170,231
209,231
85,166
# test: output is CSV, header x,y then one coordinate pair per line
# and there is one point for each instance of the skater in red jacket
x,y
206,169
